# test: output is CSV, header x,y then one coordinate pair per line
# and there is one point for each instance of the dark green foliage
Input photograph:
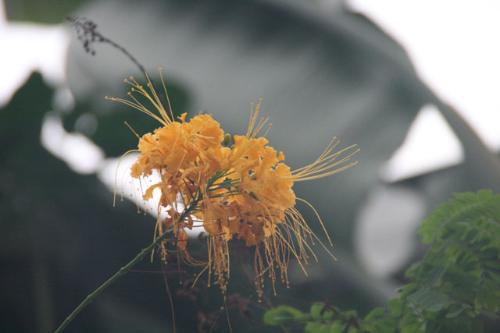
x,y
454,288
47,11
282,315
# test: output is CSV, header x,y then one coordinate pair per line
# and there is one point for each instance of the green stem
x,y
125,269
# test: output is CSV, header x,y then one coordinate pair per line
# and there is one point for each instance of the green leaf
x,y
316,311
456,309
337,327
352,329
462,208
315,327
281,315
328,314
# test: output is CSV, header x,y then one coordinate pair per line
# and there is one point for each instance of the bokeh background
x,y
413,83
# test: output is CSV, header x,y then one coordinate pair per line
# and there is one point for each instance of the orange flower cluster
x,y
242,187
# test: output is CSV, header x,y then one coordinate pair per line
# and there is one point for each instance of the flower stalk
x,y
125,269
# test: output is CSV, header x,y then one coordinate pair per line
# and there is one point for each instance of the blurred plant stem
x,y
125,269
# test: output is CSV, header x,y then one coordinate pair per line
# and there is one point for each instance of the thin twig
x,y
87,33
169,295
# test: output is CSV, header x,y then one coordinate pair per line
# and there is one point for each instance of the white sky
x,y
26,47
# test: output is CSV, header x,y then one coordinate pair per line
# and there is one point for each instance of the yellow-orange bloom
x,y
243,188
